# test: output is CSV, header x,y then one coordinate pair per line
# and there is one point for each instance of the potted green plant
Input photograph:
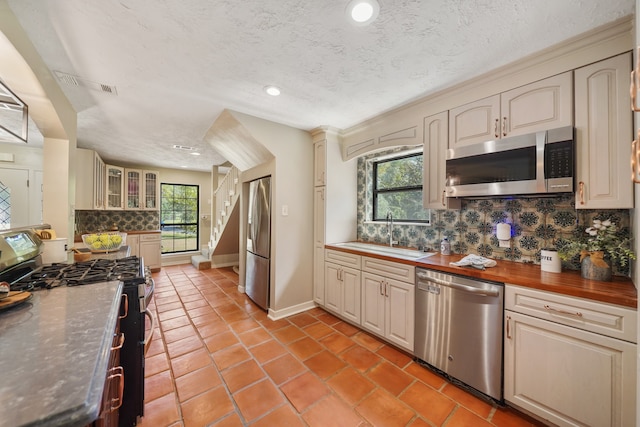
x,y
600,246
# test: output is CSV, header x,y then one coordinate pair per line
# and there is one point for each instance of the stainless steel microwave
x,y
536,163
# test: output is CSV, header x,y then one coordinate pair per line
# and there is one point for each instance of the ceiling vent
x,y
71,80
183,147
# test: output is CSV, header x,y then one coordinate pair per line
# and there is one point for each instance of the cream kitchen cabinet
x,y
90,180
318,245
114,187
334,182
436,129
133,241
342,284
568,360
151,250
542,105
142,189
388,300
603,134
320,162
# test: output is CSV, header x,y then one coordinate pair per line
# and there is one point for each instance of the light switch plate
x,y
285,210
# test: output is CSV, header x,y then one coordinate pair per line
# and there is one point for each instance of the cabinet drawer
x,y
153,237
389,269
606,319
343,258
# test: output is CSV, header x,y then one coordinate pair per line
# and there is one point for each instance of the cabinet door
x,y
318,246
100,171
436,130
351,294
133,186
475,122
320,162
151,190
151,250
568,376
373,303
115,187
133,241
400,306
603,134
333,287
542,105
318,275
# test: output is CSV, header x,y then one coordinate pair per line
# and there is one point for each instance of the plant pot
x,y
594,266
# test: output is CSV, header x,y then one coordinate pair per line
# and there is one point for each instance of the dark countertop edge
x,y
620,291
89,411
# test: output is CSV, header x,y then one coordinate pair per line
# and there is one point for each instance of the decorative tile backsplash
x,y
90,221
536,223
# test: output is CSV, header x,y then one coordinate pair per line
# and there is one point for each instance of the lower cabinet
x,y
559,370
378,295
149,247
342,291
388,309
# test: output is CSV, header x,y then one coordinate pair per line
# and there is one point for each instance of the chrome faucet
x,y
390,229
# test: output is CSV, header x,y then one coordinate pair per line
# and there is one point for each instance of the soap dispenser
x,y
445,247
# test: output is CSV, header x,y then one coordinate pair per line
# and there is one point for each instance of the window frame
x,y
375,191
183,224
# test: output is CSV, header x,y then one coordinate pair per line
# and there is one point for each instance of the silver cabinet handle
x,y
504,126
557,310
495,130
581,192
386,289
508,327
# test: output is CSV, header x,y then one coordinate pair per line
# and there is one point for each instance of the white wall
x,y
29,158
291,235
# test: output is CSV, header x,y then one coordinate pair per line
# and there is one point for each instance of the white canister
x,y
55,250
550,261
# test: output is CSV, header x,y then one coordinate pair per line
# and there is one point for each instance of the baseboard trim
x,y
290,311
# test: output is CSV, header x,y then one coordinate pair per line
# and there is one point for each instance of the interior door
x,y
14,198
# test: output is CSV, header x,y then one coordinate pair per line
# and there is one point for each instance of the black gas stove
x,y
21,267
129,270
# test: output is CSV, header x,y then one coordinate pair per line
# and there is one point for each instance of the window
x,y
397,188
179,218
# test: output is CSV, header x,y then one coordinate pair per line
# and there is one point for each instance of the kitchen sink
x,y
385,250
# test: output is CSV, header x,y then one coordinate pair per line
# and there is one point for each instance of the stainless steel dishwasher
x,y
458,328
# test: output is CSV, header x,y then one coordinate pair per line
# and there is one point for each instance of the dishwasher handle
x,y
461,287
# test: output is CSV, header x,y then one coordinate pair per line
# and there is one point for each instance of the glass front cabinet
x,y
115,187
143,189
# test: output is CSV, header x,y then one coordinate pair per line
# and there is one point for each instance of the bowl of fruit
x,y
104,242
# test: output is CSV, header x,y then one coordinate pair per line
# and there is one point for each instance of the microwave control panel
x,y
559,160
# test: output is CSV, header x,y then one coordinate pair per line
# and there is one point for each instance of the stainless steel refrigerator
x,y
259,241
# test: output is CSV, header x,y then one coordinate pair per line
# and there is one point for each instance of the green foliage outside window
x,y
398,189
179,217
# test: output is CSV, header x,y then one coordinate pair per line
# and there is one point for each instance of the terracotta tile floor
x,y
217,360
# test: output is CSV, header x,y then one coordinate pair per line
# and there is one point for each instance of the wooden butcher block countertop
x,y
619,291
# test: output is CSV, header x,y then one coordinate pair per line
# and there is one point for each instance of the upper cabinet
x,y
320,163
435,154
90,178
143,189
603,134
115,187
542,105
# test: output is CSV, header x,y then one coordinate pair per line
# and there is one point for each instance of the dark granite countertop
x,y
54,353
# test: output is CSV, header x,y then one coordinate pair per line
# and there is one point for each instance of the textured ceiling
x,y
177,64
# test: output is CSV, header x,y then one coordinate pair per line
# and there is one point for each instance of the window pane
x,y
405,172
179,218
404,206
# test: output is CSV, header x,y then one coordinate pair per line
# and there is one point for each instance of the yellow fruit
x,y
90,238
97,244
116,239
104,238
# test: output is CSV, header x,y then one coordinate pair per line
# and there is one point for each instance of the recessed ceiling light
x,y
272,90
363,12
195,153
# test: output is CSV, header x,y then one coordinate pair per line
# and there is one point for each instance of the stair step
x,y
201,262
